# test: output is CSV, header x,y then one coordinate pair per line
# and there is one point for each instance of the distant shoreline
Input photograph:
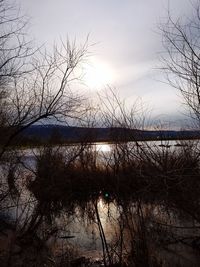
x,y
39,135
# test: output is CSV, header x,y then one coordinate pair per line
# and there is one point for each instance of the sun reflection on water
x,y
103,147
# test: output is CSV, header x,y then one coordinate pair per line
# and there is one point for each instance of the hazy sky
x,y
127,42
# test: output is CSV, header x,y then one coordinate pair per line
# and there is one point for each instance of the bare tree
x,y
15,47
34,85
181,40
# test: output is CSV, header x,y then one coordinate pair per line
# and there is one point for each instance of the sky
x,y
127,44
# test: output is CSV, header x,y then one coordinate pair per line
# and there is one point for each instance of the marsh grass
x,y
153,189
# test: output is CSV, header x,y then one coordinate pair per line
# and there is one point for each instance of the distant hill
x,y
66,134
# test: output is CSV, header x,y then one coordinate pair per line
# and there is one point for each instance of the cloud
x,y
126,34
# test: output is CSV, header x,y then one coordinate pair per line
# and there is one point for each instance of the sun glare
x,y
103,147
97,74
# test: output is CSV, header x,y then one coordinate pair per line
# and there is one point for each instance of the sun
x,y
97,74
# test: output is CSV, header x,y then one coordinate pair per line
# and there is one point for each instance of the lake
x,y
107,219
